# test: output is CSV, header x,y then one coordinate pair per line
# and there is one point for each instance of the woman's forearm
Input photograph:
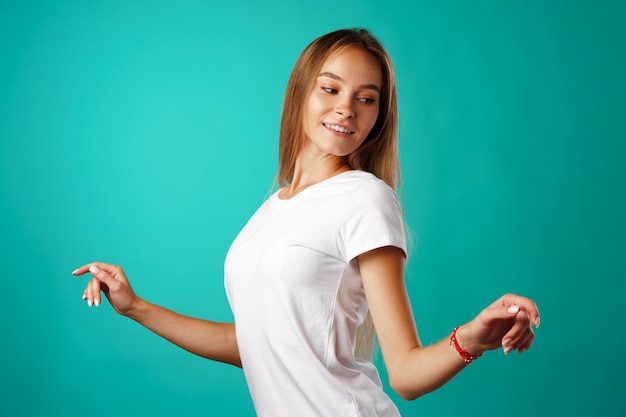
x,y
425,369
211,340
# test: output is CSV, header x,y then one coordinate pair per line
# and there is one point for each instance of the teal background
x,y
144,133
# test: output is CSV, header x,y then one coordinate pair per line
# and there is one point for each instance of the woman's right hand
x,y
109,279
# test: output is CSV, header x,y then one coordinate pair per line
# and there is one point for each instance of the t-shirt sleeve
x,y
371,219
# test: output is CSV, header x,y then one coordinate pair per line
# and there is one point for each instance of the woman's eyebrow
x,y
338,78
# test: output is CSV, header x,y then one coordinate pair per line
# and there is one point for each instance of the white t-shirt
x,y
296,293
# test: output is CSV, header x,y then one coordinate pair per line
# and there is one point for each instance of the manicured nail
x,y
513,310
521,350
506,342
508,350
84,297
89,303
75,271
94,269
537,322
96,302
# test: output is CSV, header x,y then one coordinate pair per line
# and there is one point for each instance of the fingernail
x,y
89,303
94,269
513,310
506,342
537,322
96,302
521,350
75,271
507,350
84,297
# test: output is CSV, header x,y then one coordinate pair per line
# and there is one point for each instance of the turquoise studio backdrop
x,y
144,133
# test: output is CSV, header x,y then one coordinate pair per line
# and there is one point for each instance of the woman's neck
x,y
310,172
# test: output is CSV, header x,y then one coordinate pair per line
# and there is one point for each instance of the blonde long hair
x,y
379,152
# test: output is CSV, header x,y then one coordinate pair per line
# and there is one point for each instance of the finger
x,y
85,268
530,307
523,340
500,312
81,270
518,333
527,343
95,287
524,303
100,278
102,275
91,290
521,343
113,270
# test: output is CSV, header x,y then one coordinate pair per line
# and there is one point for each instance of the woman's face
x,y
343,104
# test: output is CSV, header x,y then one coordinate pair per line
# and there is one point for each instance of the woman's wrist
x,y
462,342
136,309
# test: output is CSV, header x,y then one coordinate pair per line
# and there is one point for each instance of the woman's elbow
x,y
405,392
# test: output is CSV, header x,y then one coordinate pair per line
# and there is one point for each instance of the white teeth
x,y
337,128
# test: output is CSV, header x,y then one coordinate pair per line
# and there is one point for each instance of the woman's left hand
x,y
506,323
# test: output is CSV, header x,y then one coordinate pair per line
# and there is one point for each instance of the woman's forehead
x,y
353,64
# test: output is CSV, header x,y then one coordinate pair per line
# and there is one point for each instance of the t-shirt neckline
x,y
312,186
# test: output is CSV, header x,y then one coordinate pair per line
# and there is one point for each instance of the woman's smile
x,y
338,128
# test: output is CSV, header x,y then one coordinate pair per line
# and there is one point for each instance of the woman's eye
x,y
366,100
329,90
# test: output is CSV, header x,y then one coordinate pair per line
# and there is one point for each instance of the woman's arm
x,y
415,370
215,341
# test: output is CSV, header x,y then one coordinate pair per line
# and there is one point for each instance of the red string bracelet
x,y
467,357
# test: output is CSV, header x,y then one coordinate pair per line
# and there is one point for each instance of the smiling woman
x,y
323,258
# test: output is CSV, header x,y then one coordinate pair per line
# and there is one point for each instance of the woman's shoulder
x,y
359,179
366,183
361,188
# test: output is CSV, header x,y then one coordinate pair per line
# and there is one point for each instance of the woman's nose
x,y
344,108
